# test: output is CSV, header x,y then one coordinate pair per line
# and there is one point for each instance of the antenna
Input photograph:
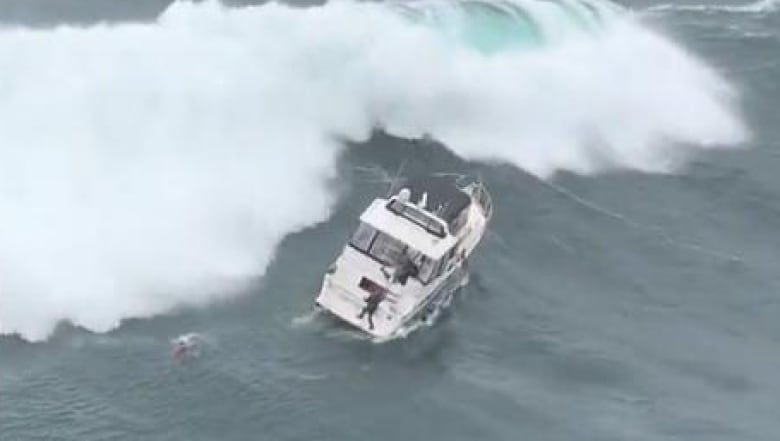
x,y
397,176
459,178
423,200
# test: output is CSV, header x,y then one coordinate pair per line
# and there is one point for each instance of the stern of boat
x,y
346,304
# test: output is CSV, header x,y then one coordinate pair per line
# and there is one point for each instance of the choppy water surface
x,y
192,169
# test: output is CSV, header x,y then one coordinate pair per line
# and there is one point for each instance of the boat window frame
x,y
440,268
431,224
437,263
434,265
374,235
446,261
388,240
369,242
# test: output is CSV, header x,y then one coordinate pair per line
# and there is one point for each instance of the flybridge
x,y
427,235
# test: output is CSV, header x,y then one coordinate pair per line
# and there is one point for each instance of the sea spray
x,y
149,166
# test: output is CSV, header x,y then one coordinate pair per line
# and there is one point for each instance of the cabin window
x,y
426,266
387,249
363,237
380,246
440,266
444,263
450,253
416,216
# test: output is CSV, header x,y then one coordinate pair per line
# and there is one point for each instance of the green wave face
x,y
491,26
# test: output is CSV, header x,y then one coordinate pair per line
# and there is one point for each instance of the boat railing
x,y
483,198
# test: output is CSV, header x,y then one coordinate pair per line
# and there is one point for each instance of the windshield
x,y
380,246
388,250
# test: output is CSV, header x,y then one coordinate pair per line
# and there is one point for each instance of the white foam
x,y
143,167
756,7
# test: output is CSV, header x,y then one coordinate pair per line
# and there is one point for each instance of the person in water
x,y
180,350
372,302
185,346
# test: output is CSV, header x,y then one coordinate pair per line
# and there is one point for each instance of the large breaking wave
x,y
146,166
757,7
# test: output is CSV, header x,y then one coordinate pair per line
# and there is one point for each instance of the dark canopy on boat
x,y
445,199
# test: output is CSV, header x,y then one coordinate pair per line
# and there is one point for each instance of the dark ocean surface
x,y
621,305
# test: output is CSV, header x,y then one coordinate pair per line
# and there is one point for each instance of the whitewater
x,y
146,167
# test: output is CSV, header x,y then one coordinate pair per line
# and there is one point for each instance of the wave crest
x,y
143,167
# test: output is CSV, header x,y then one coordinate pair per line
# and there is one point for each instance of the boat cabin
x,y
420,224
407,256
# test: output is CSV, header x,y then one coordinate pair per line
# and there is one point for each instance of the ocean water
x,y
183,168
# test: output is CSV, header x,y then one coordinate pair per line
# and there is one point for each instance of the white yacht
x,y
408,256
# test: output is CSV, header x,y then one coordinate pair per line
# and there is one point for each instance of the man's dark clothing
x,y
372,302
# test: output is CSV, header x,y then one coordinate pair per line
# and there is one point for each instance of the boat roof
x,y
380,217
444,199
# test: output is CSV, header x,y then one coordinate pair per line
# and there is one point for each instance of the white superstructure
x,y
410,251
